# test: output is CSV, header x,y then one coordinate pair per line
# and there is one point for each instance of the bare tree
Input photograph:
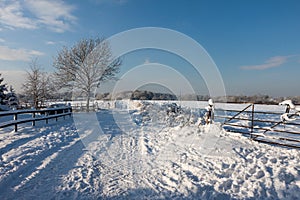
x,y
38,85
85,66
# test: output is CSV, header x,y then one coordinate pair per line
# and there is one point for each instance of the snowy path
x,y
143,162
33,169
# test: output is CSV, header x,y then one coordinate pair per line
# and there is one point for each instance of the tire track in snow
x,y
117,178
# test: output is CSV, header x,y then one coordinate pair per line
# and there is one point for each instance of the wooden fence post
x,y
55,114
33,120
16,124
46,114
70,111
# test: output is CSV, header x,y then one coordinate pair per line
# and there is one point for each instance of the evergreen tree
x,y
12,98
3,89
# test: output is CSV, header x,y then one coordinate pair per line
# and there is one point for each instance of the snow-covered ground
x,y
138,151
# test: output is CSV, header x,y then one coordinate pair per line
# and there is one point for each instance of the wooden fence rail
x,y
36,115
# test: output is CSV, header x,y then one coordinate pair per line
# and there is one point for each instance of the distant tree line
x,y
149,95
260,99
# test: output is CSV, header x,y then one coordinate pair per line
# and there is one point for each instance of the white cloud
x,y
55,15
55,42
50,43
2,40
270,63
12,16
9,54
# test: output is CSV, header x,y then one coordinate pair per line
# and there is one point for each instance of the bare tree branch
x,y
38,85
85,66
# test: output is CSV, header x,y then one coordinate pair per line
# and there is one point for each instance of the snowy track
x,y
180,161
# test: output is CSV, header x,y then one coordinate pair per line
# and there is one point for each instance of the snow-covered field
x,y
138,151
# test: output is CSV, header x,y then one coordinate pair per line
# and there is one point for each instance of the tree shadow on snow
x,y
44,183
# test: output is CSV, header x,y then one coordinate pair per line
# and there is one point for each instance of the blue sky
x,y
255,44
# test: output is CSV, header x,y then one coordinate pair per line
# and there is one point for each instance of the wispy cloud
x,y
270,63
12,16
9,54
50,43
55,15
2,40
60,42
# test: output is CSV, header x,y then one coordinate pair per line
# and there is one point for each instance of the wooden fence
x,y
263,130
36,115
